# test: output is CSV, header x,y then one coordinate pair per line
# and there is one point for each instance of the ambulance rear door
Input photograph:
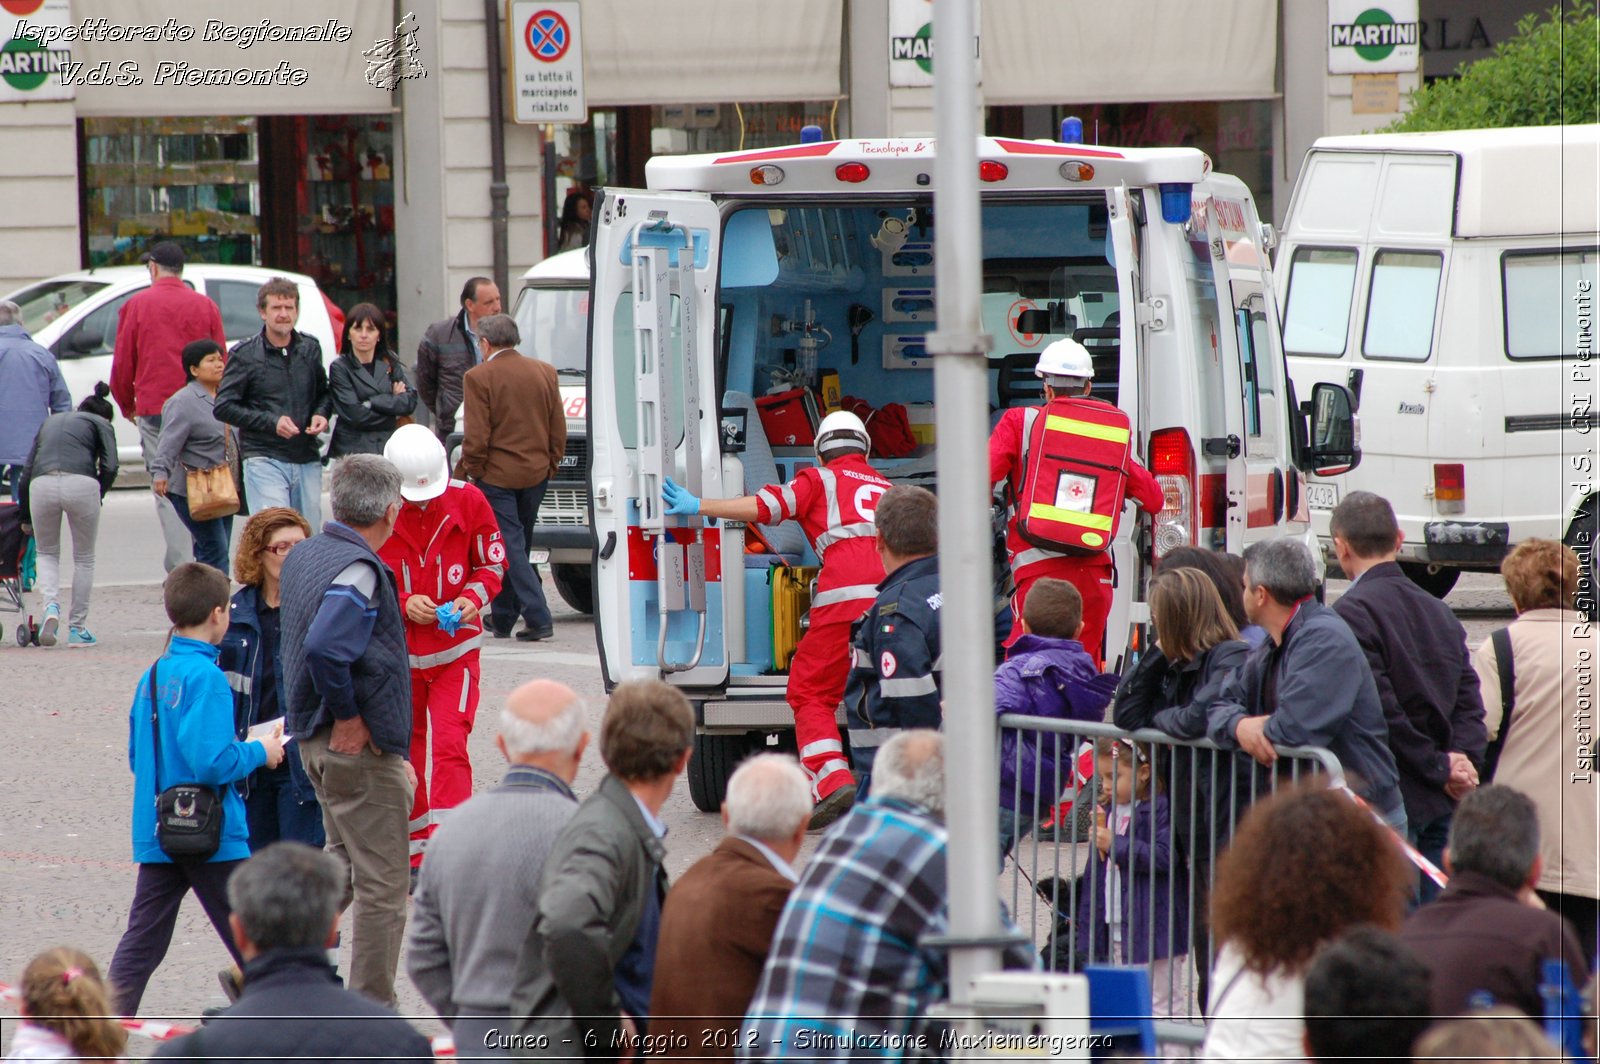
x,y
653,415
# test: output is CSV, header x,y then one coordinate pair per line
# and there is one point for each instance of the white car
x,y
75,316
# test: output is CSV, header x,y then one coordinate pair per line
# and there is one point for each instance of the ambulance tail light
x,y
1073,170
854,173
1172,462
766,175
1450,487
989,170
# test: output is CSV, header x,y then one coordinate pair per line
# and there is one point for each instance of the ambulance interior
x,y
810,293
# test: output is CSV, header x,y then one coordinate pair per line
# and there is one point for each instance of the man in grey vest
x,y
348,684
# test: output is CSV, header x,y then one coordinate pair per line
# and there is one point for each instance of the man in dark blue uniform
x,y
895,657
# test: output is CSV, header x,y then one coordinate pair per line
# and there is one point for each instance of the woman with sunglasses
x,y
279,803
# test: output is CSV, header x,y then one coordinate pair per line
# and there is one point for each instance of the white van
x,y
737,273
552,313
1448,280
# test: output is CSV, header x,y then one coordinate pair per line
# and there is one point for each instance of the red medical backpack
x,y
1075,456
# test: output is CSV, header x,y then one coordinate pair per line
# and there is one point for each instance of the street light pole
x,y
961,387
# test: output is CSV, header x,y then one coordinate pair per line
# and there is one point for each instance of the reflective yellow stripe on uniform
x,y
1040,511
1091,429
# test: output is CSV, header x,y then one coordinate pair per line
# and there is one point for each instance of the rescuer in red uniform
x,y
834,504
445,550
1068,373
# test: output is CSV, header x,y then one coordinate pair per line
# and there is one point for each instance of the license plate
x,y
539,557
1322,496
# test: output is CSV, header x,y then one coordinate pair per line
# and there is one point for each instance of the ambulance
x,y
1448,279
742,294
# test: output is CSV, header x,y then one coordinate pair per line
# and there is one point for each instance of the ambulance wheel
x,y
1435,580
574,585
712,762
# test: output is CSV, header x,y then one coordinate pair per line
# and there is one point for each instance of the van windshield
x,y
554,323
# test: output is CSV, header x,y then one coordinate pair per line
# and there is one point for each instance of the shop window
x,y
345,206
191,180
684,129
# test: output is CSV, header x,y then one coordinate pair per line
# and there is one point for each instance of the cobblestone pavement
x,y
65,789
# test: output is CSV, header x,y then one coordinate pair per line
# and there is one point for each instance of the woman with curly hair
x,y
279,802
1305,864
1533,731
66,1010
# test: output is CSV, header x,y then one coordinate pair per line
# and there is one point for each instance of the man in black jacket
x,y
1418,654
449,348
285,916
275,390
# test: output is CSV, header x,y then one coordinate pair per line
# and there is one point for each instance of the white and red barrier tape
x,y
1429,869
159,1031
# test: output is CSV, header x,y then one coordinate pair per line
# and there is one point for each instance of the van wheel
x,y
1582,536
574,586
712,762
1436,582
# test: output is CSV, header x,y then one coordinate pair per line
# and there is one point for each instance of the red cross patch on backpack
x,y
1075,456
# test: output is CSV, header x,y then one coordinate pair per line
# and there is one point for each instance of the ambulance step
x,y
746,714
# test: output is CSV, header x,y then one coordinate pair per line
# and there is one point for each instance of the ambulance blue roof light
x,y
810,134
1072,130
1175,203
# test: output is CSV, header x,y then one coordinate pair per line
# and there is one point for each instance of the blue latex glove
x,y
449,618
679,502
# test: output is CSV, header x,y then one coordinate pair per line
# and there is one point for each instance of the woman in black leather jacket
x,y
369,386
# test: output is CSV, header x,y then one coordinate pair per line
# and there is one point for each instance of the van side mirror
x,y
1335,431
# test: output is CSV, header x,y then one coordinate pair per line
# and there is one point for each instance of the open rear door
x,y
1127,244
653,415
1236,315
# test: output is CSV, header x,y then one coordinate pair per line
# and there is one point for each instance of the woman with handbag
x,y
71,467
191,467
371,395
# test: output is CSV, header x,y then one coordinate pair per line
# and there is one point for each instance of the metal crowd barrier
x,y
1056,882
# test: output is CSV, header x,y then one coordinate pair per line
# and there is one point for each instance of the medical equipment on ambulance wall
x,y
809,343
902,255
908,304
858,318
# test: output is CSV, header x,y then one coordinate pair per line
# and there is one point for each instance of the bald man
x,y
478,889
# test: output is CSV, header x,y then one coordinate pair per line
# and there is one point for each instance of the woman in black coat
x,y
369,386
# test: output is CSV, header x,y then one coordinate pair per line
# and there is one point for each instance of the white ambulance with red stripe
x,y
756,272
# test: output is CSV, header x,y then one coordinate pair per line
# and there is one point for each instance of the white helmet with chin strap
x,y
1066,361
842,429
419,456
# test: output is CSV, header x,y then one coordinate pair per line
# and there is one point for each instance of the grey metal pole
x,y
499,190
965,571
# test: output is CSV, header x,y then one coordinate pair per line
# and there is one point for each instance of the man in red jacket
x,y
445,551
1067,371
147,364
834,503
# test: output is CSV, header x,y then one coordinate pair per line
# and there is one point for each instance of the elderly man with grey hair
x,y
849,968
1308,683
347,699
718,919
31,389
285,903
515,432
479,887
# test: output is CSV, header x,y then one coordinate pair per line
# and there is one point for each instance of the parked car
x,y
75,316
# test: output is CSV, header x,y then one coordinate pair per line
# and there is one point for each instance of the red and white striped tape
x,y
1429,869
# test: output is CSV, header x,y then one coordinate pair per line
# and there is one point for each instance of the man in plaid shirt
x,y
846,977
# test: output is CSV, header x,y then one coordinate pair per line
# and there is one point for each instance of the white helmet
x,y
842,429
424,467
1065,358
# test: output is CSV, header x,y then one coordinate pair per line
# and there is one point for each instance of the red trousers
x,y
817,676
447,696
1093,582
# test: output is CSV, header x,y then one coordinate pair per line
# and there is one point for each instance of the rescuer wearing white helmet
x,y
445,552
1078,424
834,503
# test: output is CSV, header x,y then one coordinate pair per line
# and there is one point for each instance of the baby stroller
x,y
13,546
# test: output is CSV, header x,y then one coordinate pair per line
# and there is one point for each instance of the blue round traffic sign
x,y
548,36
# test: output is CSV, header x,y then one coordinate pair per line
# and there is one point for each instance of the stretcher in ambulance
x,y
789,270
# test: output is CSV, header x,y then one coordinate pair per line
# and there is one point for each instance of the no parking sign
x,y
547,61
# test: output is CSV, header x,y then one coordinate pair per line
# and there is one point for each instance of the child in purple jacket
x,y
1049,674
1133,904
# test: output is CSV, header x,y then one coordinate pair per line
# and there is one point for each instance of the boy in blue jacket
x,y
197,746
1048,674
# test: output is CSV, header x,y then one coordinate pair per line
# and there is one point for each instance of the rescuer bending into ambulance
x,y
448,562
834,505
1068,467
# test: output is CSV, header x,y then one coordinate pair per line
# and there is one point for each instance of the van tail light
x,y
989,170
1450,487
853,173
1172,462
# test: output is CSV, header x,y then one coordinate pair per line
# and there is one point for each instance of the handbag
x,y
188,815
212,492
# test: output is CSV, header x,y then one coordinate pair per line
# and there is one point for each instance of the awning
x,y
198,76
1131,51
711,51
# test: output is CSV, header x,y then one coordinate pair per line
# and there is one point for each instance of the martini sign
x,y
911,43
28,68
1373,36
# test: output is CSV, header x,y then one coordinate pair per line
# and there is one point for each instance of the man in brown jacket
x,y
515,434
717,924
